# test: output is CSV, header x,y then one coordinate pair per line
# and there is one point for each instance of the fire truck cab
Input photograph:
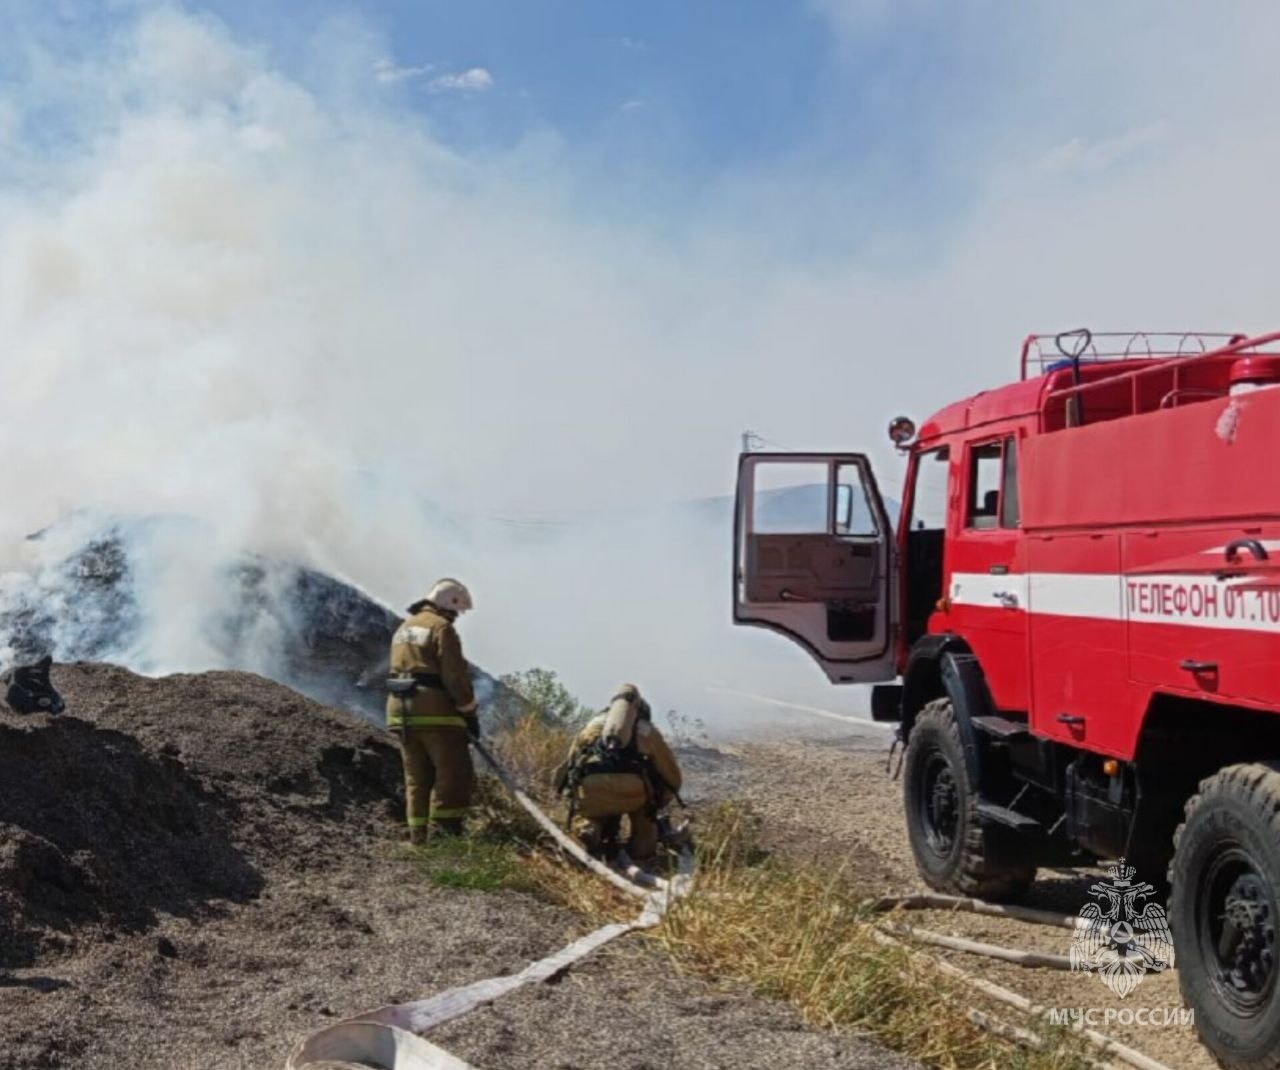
x,y
1079,608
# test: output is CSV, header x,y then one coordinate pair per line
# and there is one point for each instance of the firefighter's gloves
x,y
473,728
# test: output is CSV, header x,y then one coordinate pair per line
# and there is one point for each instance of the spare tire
x,y
954,851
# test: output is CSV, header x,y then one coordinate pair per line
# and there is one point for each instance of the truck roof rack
x,y
1040,352
1161,375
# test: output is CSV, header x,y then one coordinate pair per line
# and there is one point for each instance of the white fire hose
x,y
390,1038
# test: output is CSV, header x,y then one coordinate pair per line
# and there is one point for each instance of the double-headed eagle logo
x,y
1120,935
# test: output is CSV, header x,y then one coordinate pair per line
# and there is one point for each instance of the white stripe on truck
x,y
1192,601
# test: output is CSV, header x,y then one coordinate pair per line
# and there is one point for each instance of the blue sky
x,y
731,81
658,106
853,118
668,109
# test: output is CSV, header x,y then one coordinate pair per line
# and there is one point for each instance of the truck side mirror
x,y
902,430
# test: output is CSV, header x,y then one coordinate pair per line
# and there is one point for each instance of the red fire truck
x,y
1080,606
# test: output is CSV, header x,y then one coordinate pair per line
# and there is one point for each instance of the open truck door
x,y
813,559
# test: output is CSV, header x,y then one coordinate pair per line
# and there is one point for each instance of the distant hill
x,y
787,509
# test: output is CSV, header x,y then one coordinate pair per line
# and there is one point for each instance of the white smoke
x,y
279,306
299,321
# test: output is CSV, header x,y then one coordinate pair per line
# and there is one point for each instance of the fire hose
x,y
391,1037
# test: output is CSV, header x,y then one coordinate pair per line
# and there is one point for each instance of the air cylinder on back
x,y
620,720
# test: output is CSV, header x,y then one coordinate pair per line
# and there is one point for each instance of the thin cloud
x,y
388,72
1082,156
475,80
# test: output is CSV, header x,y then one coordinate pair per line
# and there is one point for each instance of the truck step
x,y
1002,815
1001,727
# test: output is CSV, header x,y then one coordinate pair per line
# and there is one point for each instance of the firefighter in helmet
x,y
431,707
620,766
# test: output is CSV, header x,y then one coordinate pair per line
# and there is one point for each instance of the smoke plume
x,y
277,306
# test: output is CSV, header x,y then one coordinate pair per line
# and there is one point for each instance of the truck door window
x,y
985,470
926,539
1009,486
854,515
929,495
791,499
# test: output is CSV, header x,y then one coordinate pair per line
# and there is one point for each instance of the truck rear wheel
x,y
954,851
1224,917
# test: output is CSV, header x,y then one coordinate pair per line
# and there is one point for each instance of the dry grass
x,y
803,936
532,749
784,931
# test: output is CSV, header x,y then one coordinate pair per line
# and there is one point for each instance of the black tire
x,y
1223,912
954,851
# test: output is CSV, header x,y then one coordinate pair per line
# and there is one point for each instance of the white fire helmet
x,y
450,595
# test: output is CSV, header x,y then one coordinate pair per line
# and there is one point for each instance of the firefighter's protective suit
x,y
620,766
432,709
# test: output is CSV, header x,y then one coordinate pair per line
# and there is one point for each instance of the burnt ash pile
x,y
88,600
172,797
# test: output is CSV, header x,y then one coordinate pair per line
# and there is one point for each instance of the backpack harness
x,y
599,757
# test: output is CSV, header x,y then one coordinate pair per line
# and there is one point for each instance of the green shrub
x,y
538,693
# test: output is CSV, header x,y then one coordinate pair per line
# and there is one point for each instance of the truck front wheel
x,y
1223,913
954,851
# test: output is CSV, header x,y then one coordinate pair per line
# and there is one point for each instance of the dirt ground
x,y
626,1008
197,871
825,794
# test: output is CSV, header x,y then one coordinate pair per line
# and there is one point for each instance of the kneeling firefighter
x,y
431,707
620,766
